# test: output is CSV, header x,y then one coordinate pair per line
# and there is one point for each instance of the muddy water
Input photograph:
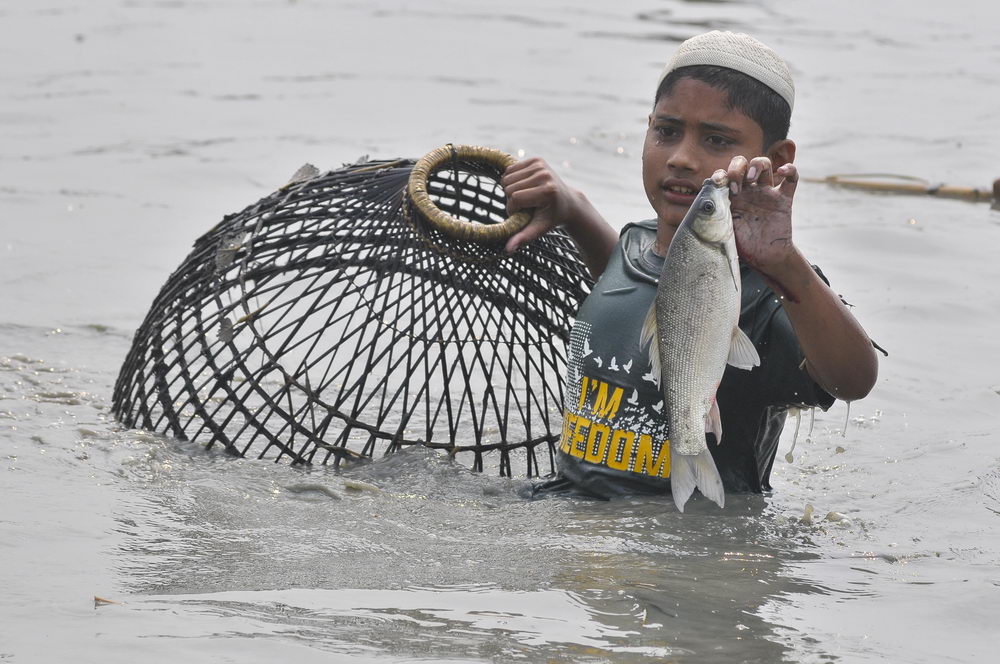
x,y
128,128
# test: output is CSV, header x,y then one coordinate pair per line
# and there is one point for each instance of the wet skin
x,y
693,134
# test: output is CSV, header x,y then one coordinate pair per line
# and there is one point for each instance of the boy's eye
x,y
719,141
665,131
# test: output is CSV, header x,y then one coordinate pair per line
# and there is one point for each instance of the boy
x,y
723,103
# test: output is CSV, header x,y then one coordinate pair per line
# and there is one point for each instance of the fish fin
x,y
648,336
690,471
734,264
713,421
742,353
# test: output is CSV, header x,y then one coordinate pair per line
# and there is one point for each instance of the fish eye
x,y
708,206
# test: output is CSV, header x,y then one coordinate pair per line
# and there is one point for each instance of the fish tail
x,y
648,336
690,471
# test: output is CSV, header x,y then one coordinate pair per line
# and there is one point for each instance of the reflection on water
x,y
690,585
415,556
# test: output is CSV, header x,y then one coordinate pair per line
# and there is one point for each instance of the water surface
x,y
130,127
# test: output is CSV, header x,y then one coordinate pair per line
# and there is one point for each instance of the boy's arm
x,y
839,354
532,183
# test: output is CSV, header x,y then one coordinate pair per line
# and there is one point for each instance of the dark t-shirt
x,y
615,429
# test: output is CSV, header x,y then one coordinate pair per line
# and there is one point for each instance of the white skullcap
x,y
739,52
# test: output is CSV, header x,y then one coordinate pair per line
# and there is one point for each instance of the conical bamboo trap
x,y
353,313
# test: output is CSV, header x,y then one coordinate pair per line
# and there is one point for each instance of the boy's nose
x,y
683,157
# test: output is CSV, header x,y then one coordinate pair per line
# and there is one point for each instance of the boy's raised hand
x,y
839,355
762,211
531,183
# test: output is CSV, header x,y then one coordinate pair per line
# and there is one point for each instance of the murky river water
x,y
129,127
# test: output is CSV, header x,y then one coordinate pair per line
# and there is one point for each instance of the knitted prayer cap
x,y
737,51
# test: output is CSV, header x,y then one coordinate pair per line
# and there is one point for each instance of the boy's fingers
x,y
534,230
521,169
511,176
515,195
530,193
527,186
526,181
518,193
513,244
737,169
791,179
760,171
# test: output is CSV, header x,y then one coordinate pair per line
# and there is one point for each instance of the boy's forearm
x,y
594,237
839,354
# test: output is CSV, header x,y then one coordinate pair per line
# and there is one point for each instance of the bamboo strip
x,y
909,185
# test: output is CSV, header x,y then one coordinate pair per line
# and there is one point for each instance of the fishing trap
x,y
353,313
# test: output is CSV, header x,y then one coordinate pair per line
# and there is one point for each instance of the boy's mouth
x,y
679,193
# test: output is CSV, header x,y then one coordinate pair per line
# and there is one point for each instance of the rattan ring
x,y
444,222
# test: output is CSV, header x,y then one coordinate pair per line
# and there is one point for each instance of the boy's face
x,y
692,133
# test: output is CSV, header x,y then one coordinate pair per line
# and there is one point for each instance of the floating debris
x,y
358,485
100,601
313,487
24,359
64,398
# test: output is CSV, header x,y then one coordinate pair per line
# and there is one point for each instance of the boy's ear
x,y
781,152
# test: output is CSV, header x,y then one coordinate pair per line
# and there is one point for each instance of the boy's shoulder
x,y
639,228
635,254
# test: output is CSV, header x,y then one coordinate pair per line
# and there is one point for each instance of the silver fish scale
x,y
697,307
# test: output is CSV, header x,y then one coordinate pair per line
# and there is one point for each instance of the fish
x,y
692,332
